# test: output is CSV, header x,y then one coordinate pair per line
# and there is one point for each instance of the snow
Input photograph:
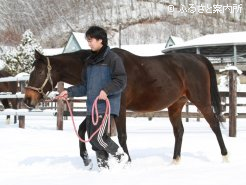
x,y
22,74
233,38
229,68
2,64
145,49
138,49
220,38
80,37
177,40
18,77
52,51
39,154
22,54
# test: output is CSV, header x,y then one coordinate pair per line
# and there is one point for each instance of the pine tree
x,y
21,58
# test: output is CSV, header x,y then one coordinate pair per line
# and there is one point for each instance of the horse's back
x,y
156,82
162,66
168,60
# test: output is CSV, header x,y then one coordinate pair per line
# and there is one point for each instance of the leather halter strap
x,y
47,79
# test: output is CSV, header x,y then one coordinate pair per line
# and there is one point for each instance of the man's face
x,y
94,44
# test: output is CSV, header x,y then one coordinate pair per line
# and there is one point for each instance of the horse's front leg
x,y
82,147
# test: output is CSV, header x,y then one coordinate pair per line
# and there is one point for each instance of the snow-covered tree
x,y
21,58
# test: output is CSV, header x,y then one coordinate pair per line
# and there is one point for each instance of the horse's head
x,y
42,79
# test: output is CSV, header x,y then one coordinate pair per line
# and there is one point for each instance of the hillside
x,y
142,21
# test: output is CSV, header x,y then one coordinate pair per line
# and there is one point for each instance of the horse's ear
x,y
37,54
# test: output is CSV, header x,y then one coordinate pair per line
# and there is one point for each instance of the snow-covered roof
x,y
76,42
173,40
177,40
52,51
144,49
229,68
80,37
139,49
221,39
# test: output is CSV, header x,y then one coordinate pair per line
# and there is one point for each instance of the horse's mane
x,y
75,53
124,52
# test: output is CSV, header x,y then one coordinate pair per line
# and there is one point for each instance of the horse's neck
x,y
70,71
70,66
71,74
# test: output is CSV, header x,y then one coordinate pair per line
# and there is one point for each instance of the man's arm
x,y
119,77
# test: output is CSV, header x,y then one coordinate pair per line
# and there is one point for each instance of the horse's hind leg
x,y
213,121
174,112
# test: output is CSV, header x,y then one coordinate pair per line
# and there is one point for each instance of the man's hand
x,y
63,95
102,95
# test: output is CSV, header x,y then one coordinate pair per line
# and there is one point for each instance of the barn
x,y
221,49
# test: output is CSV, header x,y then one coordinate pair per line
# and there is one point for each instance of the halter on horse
x,y
47,79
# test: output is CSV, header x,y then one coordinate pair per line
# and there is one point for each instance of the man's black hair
x,y
97,33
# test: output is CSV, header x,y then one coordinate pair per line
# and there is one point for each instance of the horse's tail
x,y
214,92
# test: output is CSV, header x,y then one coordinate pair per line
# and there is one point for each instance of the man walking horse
x,y
104,76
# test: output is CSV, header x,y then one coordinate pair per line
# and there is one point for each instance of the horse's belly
x,y
154,95
148,104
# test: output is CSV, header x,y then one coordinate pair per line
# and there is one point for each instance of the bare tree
x,y
52,20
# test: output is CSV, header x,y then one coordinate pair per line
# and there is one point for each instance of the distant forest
x,y
143,21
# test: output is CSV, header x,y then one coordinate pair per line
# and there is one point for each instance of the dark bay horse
x,y
153,83
8,87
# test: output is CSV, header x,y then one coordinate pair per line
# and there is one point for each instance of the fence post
x,y
60,107
198,117
223,103
232,102
187,111
20,105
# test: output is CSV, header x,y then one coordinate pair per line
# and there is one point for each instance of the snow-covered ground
x,y
41,155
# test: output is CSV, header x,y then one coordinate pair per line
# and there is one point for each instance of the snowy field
x,y
41,155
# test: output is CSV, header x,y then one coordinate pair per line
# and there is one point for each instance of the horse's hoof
x,y
88,164
225,158
176,161
8,121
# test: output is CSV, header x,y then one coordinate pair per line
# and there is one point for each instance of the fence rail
x,y
81,110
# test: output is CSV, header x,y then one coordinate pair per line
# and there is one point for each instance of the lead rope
x,y
94,109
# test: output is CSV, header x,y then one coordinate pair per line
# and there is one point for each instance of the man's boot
x,y
121,157
87,161
102,160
